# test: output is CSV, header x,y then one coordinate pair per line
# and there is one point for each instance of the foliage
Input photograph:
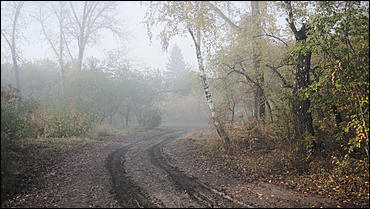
x,y
266,152
177,74
175,16
341,90
15,114
15,125
63,124
105,91
149,118
89,97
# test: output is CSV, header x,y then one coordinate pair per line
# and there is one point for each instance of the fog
x,y
136,44
123,77
273,90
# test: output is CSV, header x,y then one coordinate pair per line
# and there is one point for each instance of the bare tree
x,y
87,19
259,97
10,32
59,9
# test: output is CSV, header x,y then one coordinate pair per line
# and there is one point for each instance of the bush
x,y
99,131
150,118
63,124
15,114
15,125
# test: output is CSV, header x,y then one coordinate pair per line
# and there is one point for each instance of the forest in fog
x,y
286,76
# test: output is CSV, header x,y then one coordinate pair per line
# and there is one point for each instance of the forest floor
x,y
157,168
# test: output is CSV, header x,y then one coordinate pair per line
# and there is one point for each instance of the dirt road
x,y
143,177
153,169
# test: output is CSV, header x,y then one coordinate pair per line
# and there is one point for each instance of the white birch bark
x,y
220,131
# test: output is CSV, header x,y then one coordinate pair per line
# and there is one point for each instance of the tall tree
x,y
253,32
259,92
10,31
180,18
176,64
177,73
302,118
59,10
88,19
220,130
340,88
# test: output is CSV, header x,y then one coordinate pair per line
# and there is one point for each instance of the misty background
x,y
131,47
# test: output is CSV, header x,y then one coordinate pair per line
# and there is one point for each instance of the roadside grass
x,y
264,156
26,160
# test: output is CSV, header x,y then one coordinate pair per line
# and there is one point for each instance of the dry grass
x,y
267,153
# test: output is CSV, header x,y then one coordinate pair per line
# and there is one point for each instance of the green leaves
x,y
340,34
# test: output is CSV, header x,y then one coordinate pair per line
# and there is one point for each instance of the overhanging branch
x,y
221,14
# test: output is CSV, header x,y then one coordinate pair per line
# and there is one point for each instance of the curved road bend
x,y
143,177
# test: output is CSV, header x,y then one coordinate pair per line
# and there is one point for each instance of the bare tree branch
x,y
272,36
227,20
234,70
6,39
274,69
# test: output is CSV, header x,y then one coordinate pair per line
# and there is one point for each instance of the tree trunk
x,y
81,49
127,114
302,119
111,119
259,92
14,48
61,64
61,42
220,131
16,68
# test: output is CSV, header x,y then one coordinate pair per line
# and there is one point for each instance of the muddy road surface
x,y
157,168
142,176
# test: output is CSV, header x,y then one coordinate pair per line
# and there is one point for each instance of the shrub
x,y
150,118
15,125
99,131
64,124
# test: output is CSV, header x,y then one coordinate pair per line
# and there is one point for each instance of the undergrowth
x,y
266,152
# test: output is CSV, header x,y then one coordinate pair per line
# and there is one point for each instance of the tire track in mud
x,y
128,194
142,176
198,191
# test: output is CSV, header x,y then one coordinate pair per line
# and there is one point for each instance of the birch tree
x,y
193,18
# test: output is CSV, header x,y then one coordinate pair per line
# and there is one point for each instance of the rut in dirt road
x,y
143,177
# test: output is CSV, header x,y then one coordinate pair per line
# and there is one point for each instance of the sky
x,y
138,47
